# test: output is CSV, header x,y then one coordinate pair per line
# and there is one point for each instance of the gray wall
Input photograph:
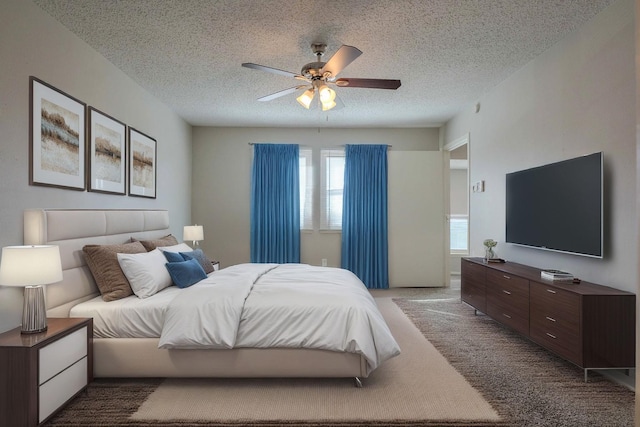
x,y
637,193
576,98
33,43
222,176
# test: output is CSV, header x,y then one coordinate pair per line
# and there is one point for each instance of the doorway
x,y
458,206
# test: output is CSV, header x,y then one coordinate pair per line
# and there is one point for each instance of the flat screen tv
x,y
558,207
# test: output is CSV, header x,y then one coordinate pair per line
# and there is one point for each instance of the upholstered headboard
x,y
71,230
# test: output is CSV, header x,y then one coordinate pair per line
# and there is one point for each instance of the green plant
x,y
490,243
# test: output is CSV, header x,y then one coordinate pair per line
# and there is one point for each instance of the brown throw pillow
x,y
103,263
150,245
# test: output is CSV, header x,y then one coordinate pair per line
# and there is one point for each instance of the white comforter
x,y
279,305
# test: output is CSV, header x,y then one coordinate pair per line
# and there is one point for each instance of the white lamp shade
x,y
326,106
306,98
193,233
30,265
327,95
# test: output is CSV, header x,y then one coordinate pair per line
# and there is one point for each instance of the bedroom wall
x,y
35,44
576,98
637,193
222,175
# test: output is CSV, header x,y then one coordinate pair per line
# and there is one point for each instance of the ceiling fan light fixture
x,y
327,95
306,98
320,74
326,106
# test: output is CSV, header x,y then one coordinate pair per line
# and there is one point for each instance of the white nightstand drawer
x,y
58,355
61,388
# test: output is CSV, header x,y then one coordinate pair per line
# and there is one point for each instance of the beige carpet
x,y
418,385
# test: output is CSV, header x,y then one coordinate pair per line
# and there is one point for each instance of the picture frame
x,y
57,138
142,164
107,149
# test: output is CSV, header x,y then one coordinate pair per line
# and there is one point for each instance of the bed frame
x,y
141,357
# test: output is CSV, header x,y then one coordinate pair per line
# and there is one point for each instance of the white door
x,y
417,219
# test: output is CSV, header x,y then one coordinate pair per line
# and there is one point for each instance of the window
x,y
306,189
459,232
331,188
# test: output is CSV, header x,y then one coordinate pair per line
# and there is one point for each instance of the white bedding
x,y
257,306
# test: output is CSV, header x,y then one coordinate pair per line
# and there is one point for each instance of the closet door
x,y
417,219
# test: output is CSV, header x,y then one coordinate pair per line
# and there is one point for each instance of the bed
x,y
135,355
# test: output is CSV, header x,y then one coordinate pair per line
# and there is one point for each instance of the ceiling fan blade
x,y
282,93
369,83
271,70
343,57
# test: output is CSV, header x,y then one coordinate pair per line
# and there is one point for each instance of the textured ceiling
x,y
447,53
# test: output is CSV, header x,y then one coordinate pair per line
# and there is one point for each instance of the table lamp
x,y
31,267
195,233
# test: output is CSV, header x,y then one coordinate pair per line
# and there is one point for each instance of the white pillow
x,y
181,247
146,272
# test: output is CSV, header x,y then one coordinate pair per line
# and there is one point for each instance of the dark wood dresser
x,y
590,325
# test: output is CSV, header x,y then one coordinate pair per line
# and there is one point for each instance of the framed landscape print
x,y
142,164
56,138
107,153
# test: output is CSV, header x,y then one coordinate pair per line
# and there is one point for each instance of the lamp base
x,y
34,313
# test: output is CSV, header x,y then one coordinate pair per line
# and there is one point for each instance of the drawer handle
x,y
551,291
552,336
506,277
506,292
506,315
551,319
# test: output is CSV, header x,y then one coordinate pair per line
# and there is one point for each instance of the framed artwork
x,y
56,138
142,164
107,153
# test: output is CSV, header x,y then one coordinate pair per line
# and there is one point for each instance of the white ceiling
x,y
447,53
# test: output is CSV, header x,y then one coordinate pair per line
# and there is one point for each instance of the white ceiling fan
x,y
320,76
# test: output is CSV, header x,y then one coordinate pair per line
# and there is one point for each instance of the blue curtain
x,y
275,204
364,214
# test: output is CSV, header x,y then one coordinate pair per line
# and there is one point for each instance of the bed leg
x,y
357,382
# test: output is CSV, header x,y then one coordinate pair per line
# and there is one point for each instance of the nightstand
x,y
40,373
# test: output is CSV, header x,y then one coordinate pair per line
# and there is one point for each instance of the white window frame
x,y
306,188
326,224
453,218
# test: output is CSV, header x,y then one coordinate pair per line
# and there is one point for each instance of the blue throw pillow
x,y
173,256
198,255
185,273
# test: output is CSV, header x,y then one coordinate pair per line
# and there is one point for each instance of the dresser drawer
x,y
473,271
472,288
508,292
555,321
561,340
506,282
62,387
558,304
474,295
62,353
515,319
508,300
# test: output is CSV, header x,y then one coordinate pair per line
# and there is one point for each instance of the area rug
x,y
417,386
527,384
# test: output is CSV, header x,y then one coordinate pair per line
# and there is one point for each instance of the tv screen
x,y
558,206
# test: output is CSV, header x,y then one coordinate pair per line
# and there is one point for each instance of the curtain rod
x,y
343,145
